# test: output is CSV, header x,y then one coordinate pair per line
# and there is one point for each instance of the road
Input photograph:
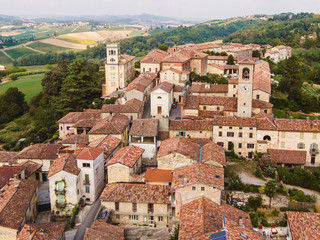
x,y
247,179
88,220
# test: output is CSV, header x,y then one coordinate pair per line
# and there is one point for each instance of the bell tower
x,y
113,53
245,87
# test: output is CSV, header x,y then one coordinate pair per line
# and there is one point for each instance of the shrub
x,y
285,209
259,174
235,183
275,212
255,202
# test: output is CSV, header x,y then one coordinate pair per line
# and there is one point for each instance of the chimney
x,y
308,119
291,119
241,222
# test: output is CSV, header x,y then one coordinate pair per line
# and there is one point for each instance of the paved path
x,y
4,52
147,110
88,220
247,179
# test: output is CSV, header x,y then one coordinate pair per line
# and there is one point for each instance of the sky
x,y
196,9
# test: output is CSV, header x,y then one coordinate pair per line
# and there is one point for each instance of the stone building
x,y
152,62
119,69
125,163
137,203
161,100
140,88
44,231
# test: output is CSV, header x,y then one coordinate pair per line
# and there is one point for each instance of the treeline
x,y
97,52
279,31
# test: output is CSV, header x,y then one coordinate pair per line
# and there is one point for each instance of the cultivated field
x,y
73,39
64,44
19,52
30,85
48,47
4,60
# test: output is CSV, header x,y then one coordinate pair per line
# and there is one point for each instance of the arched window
x,y
112,60
245,73
267,138
159,97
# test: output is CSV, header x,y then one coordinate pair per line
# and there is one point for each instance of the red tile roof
x,y
8,157
234,121
39,151
85,123
158,175
165,86
136,193
8,172
141,82
73,117
14,208
208,88
155,56
90,153
30,167
67,163
81,139
297,125
144,127
281,156
190,125
103,231
213,152
42,231
176,57
203,215
304,225
115,124
127,156
198,173
108,144
131,106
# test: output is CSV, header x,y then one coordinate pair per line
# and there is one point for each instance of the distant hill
x,y
6,18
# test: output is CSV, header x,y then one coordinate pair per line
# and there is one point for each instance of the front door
x,y
159,110
313,159
44,177
151,222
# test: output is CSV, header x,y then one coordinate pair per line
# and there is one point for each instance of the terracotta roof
x,y
67,163
136,193
144,127
213,152
42,231
262,77
73,117
304,225
165,86
215,65
141,82
85,123
265,122
179,145
176,57
14,208
190,125
158,175
235,67
178,88
76,149
163,135
131,106
198,173
247,61
234,121
127,156
115,124
225,58
203,215
233,81
204,114
124,58
7,172
155,56
228,103
39,151
108,144
261,104
208,88
103,231
89,153
9,157
297,125
281,156
30,167
76,139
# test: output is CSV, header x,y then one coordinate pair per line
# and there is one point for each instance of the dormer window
x,y
207,86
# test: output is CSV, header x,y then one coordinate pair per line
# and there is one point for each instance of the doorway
x,y
159,110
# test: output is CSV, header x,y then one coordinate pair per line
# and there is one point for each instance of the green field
x,y
48,47
136,33
19,52
77,40
30,85
4,60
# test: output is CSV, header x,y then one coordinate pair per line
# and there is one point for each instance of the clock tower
x,y
245,85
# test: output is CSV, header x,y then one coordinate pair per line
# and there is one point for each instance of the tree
x,y
292,75
230,60
255,202
256,53
270,190
163,47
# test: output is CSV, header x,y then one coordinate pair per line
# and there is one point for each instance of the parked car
x,y
174,105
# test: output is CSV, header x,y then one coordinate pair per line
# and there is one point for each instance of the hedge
x,y
14,76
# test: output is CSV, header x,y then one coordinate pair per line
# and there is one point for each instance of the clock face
x,y
245,88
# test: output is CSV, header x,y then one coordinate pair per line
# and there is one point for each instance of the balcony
x,y
61,205
60,191
314,151
86,182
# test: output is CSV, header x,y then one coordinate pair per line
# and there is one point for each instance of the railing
x,y
86,182
61,205
314,151
58,191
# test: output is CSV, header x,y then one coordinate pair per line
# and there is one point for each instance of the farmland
x,y
30,85
19,52
77,40
48,47
4,60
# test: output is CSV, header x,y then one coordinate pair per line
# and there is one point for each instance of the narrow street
x,y
88,220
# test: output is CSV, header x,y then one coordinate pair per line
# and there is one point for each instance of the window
x,y
217,176
240,134
220,126
85,164
220,144
204,107
51,161
234,95
258,96
313,159
150,207
220,134
159,97
283,144
301,135
250,135
218,108
283,134
113,75
160,219
61,128
230,134
194,188
250,145
234,86
144,70
266,138
301,146
240,145
149,69
117,216
156,70
182,134
202,189
250,155
68,128
113,84
230,127
61,198
134,207
314,136
133,217
240,127
60,186
116,206
251,128
86,179
112,68
112,60
87,189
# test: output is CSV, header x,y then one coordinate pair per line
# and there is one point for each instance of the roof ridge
x,y
127,150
